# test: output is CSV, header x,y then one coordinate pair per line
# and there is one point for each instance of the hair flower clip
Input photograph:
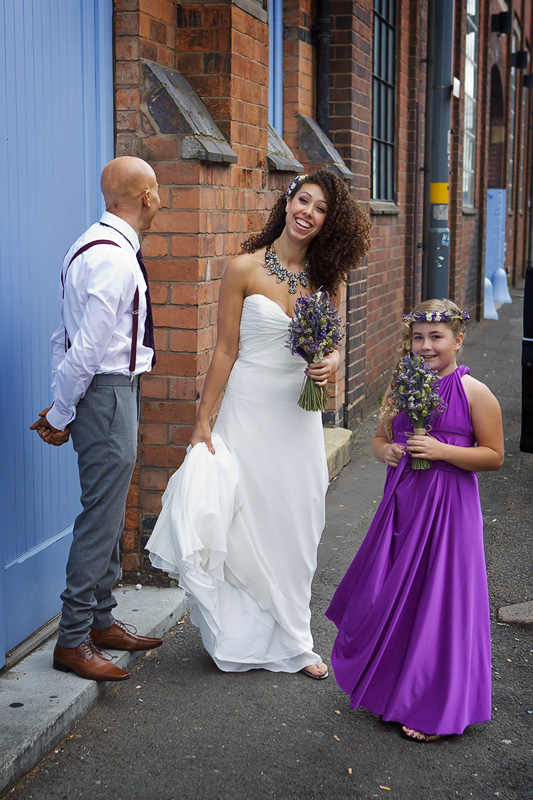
x,y
293,185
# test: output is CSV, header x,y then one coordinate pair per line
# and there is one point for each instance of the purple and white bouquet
x,y
314,332
415,393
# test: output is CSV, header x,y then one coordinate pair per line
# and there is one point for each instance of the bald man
x,y
103,344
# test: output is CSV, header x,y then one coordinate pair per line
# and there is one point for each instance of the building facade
x,y
293,87
424,109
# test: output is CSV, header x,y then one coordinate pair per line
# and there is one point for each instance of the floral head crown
x,y
293,185
437,316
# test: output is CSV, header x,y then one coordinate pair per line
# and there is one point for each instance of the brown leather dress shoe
x,y
87,661
119,637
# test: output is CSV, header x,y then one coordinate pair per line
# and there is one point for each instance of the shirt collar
x,y
122,227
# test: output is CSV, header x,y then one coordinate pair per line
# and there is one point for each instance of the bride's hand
x,y
320,372
202,433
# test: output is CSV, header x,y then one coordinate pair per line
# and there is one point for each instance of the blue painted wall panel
x,y
56,133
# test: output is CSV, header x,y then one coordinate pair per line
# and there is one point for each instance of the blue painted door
x,y
495,231
56,133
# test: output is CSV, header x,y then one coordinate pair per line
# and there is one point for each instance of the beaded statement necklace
x,y
275,267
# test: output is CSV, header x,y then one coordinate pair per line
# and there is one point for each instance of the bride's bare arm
x,y
232,294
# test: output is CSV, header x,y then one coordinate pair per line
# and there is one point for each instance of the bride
x,y
243,516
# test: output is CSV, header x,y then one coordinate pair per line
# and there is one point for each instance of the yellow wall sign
x,y
439,193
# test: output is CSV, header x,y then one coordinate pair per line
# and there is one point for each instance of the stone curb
x,y
39,705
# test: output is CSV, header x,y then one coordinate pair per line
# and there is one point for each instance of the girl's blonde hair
x,y
454,318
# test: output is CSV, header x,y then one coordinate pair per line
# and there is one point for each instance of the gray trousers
x,y
104,435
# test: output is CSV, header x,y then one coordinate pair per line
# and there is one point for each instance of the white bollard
x,y
500,288
489,309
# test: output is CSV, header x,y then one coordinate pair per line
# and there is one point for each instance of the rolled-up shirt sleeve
x,y
110,289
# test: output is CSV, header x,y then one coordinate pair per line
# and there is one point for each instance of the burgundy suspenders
x,y
79,252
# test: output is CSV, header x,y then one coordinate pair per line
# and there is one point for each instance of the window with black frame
x,y
470,118
383,100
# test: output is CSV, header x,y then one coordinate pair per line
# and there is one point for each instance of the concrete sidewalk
x,y
40,705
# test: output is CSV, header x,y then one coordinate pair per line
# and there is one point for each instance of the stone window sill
x,y
176,109
319,149
384,207
256,8
280,158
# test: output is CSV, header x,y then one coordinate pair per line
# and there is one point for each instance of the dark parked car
x,y
526,438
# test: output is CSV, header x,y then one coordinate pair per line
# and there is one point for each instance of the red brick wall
x,y
523,175
206,212
498,56
496,115
349,130
208,209
299,97
144,29
298,68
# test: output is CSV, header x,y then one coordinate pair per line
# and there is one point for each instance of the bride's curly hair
x,y
457,325
343,241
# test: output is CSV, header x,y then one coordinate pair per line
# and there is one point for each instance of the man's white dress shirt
x,y
96,307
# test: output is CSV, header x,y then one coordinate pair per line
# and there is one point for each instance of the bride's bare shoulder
x,y
246,261
242,267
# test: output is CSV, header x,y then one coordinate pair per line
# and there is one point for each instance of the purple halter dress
x,y
413,643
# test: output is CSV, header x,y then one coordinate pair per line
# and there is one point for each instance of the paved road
x,y
181,730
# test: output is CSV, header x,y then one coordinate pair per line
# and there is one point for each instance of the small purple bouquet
x,y
415,393
314,332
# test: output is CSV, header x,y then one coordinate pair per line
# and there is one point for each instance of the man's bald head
x,y
129,186
124,179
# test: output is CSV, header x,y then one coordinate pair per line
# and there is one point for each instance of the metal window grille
x,y
470,106
383,100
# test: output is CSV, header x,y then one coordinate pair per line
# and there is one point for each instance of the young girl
x,y
412,611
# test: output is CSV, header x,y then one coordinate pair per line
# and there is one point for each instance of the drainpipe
x,y
416,191
322,30
437,150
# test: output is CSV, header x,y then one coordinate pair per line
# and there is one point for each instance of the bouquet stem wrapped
x,y
313,397
314,332
415,393
417,462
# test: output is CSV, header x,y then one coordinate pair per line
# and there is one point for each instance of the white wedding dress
x,y
240,529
